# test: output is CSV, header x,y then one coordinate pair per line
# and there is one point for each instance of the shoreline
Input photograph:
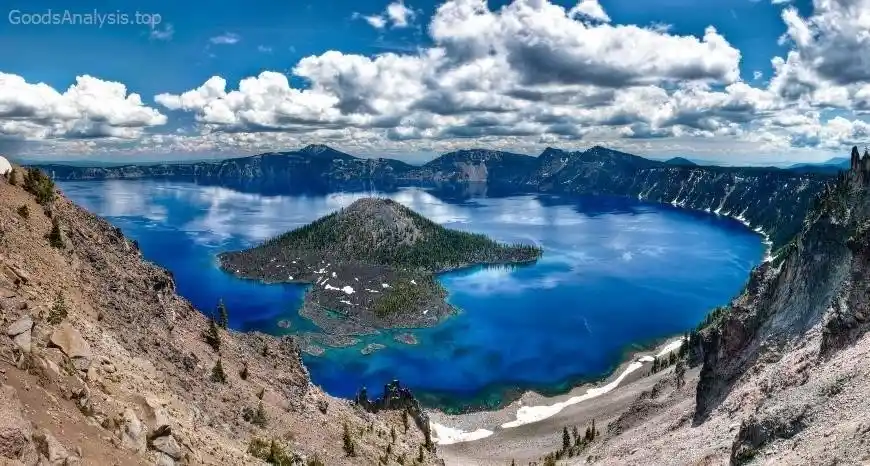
x,y
532,407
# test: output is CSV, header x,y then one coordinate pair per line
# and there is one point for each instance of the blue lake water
x,y
615,273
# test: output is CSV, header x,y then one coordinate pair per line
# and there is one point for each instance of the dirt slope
x,y
101,362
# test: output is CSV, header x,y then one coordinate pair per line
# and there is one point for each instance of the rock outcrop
x,y
110,365
782,376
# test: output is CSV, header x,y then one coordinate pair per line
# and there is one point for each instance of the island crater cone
x,y
374,260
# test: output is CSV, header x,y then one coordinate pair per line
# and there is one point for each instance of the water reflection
x,y
614,272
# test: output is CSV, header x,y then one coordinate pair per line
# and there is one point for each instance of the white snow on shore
x,y
443,435
669,348
347,289
530,414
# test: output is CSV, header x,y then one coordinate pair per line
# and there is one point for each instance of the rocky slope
x,y
101,362
783,369
768,199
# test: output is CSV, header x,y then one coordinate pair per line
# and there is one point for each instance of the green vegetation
x,y
13,177
273,453
55,239
404,295
217,373
716,315
223,315
212,335
257,416
39,184
347,442
23,211
384,232
58,311
243,373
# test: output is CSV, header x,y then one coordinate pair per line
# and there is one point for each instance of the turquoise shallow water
x,y
615,273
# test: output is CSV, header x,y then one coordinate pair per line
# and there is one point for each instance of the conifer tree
x,y
349,447
566,439
212,336
217,373
54,236
223,315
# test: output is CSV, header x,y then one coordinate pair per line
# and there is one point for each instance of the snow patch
x,y
385,285
444,435
347,289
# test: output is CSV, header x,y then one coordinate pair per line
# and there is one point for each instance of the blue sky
x,y
680,106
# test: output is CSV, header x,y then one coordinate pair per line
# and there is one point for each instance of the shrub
x,y
243,374
13,177
58,311
39,184
256,417
217,373
348,444
23,211
55,239
212,336
273,453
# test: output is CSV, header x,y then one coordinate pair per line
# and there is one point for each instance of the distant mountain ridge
x,y
769,199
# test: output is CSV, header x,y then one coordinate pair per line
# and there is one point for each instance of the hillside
x,y
680,161
374,262
770,200
778,376
101,362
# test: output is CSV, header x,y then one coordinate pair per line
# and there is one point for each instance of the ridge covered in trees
x,y
374,260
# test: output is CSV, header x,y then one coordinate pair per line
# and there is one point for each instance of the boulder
x,y
70,341
168,445
50,448
24,324
23,341
133,435
164,460
15,431
156,415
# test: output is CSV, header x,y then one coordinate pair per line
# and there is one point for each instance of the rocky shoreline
x,y
470,426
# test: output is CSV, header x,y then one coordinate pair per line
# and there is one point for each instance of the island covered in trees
x,y
372,265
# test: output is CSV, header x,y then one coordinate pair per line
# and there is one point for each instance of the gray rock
x,y
82,364
23,341
167,445
70,341
132,432
165,460
20,326
15,431
50,448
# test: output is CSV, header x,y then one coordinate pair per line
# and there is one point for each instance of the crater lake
x,y
616,275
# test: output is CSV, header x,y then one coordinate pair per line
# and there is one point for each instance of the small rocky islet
x,y
372,265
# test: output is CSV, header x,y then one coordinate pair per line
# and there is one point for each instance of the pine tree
x,y
566,439
217,373
54,236
349,447
13,177
212,336
223,315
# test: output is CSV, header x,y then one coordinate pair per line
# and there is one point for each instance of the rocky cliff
x,y
783,369
770,200
101,362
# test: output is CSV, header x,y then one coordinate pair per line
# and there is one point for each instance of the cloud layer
x,y
528,74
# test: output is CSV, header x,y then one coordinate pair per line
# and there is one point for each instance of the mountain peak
x,y
322,150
